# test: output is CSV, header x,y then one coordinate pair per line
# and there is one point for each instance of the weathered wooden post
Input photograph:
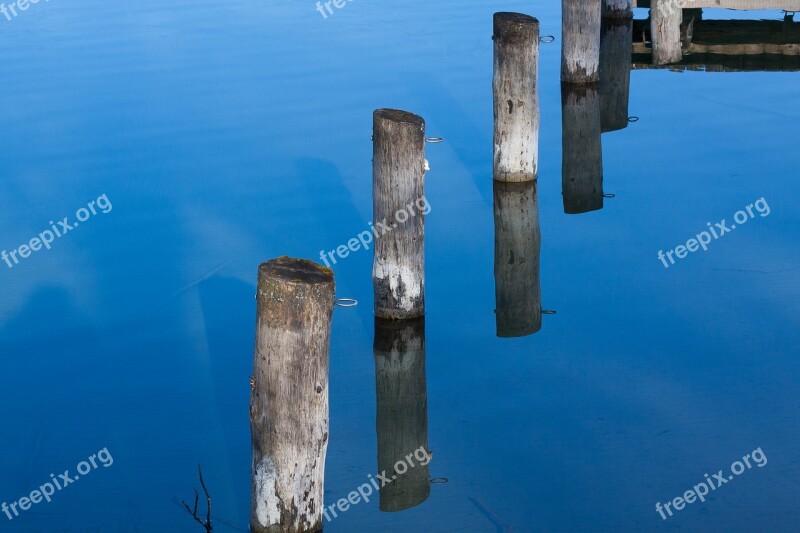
x,y
665,31
618,9
398,170
517,243
580,41
616,43
402,412
582,164
289,396
516,99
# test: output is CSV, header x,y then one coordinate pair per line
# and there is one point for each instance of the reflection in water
x,y
616,40
582,168
402,410
517,242
726,45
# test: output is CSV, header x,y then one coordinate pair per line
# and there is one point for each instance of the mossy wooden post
x,y
517,243
618,9
580,41
616,43
665,31
582,165
516,100
402,411
289,396
398,170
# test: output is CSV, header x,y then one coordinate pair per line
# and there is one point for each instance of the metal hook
x,y
434,140
547,39
345,302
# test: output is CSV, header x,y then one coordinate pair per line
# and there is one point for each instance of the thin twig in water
x,y
193,513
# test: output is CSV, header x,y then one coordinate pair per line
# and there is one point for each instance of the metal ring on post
x,y
439,480
434,140
547,39
345,302
633,119
548,312
609,195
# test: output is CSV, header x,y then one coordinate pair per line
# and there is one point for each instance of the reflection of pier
x,y
744,5
727,45
680,37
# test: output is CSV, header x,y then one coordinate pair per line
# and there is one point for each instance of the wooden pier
x,y
742,5
726,45
676,28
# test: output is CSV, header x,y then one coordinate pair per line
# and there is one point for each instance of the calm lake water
x,y
226,134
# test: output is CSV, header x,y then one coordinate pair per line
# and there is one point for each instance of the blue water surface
x,y
224,134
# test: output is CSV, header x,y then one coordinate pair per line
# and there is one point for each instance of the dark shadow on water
x,y
228,314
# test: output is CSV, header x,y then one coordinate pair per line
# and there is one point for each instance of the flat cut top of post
x,y
514,26
396,115
516,18
292,270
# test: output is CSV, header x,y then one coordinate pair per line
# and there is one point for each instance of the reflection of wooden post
x,y
402,411
616,43
398,169
582,169
690,16
516,102
665,31
517,242
618,9
580,41
289,396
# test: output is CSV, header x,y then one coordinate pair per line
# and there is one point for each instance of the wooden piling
x,y
617,9
517,243
580,41
616,43
289,396
665,31
582,164
398,268
516,99
402,412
